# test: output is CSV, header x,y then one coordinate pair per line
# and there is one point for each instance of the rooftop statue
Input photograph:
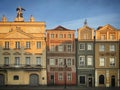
x,y
19,11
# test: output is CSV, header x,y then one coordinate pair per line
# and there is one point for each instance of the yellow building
x,y
22,51
107,57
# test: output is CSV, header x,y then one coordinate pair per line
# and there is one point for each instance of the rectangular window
x,y
38,45
103,37
82,79
112,61
6,60
60,62
69,76
7,45
38,60
112,36
89,46
60,48
69,36
90,60
52,48
17,61
28,45
82,60
102,61
82,46
27,60
69,48
60,76
102,48
52,35
112,48
52,61
17,45
61,36
69,62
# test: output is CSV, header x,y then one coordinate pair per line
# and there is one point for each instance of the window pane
x,y
28,60
38,60
17,60
82,61
112,61
112,47
60,76
69,48
82,46
90,46
38,45
69,62
52,61
17,45
101,48
7,45
60,62
60,48
69,76
90,60
102,61
6,60
27,44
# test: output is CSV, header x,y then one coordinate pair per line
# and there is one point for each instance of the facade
x,y
22,51
85,57
61,64
107,57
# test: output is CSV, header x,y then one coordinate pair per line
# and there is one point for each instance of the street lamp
x,y
65,66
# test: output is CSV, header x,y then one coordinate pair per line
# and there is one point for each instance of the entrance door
x,y
52,79
90,81
2,79
113,81
34,80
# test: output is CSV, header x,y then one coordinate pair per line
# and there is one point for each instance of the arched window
x,y
16,77
101,79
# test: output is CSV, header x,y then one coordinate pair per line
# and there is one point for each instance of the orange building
x,y
61,64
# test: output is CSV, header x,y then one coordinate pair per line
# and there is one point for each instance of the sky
x,y
70,14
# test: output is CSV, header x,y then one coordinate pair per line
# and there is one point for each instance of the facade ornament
x,y
4,19
32,19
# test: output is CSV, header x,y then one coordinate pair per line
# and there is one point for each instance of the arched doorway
x,y
34,80
101,79
113,81
2,80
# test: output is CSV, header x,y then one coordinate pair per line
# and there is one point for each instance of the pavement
x,y
55,88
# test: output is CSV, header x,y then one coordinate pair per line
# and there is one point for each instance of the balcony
x,y
21,66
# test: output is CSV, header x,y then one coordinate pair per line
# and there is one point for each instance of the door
x,y
113,81
52,79
2,79
34,80
90,81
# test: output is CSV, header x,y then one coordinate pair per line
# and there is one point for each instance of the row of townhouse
x,y
32,55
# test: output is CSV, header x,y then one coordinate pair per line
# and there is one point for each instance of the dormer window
x,y
112,36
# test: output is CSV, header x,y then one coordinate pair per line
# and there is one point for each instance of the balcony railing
x,y
21,66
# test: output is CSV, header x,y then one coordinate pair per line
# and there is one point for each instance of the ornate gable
x,y
18,34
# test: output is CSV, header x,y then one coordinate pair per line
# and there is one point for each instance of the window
x,y
52,48
82,61
82,79
16,77
101,79
102,61
69,62
7,45
6,60
69,76
103,37
52,35
61,36
38,60
17,61
112,47
102,48
60,62
60,48
28,45
112,61
60,76
82,46
38,45
69,48
85,36
52,61
17,45
69,36
89,60
112,36
89,46
27,60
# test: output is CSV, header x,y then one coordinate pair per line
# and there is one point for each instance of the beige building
x,y
22,51
107,57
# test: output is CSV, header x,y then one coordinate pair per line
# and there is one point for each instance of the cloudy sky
x,y
68,13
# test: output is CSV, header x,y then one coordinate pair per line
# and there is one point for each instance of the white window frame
x,y
17,61
38,60
69,62
60,61
90,60
27,60
60,48
102,61
82,61
82,47
112,47
112,61
69,76
52,61
102,47
90,46
52,48
69,48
